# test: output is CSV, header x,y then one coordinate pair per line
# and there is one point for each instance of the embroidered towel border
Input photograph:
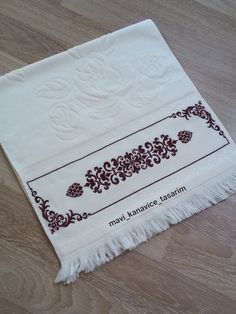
x,y
112,143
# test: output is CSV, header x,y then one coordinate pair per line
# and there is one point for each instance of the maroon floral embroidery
x,y
120,168
75,190
185,136
199,110
55,220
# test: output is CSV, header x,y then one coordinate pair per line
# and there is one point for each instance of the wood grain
x,y
190,268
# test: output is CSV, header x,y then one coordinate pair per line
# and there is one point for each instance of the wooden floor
x,y
191,268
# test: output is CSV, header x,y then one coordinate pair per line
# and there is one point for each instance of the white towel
x,y
112,143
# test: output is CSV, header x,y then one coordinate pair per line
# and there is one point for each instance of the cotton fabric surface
x,y
112,143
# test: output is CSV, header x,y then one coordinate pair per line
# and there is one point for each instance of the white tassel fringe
x,y
193,202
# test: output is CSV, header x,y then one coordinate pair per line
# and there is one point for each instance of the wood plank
x,y
201,247
227,7
50,18
190,268
9,63
19,40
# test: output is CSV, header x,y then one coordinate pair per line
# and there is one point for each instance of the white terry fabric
x,y
112,143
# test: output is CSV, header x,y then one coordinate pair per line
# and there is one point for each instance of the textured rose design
x,y
100,77
55,88
151,73
102,83
66,120
152,66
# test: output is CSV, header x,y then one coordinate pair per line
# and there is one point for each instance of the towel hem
x,y
200,198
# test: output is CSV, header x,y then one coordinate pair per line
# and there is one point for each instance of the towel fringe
x,y
88,258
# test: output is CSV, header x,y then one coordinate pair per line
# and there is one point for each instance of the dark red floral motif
x,y
55,220
185,136
120,168
199,110
75,190
124,166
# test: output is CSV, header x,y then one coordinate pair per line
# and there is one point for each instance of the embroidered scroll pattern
x,y
199,110
124,166
55,220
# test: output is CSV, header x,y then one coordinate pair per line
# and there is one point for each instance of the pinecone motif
x,y
75,190
185,136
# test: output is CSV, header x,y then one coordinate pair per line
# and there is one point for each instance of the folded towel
x,y
112,143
